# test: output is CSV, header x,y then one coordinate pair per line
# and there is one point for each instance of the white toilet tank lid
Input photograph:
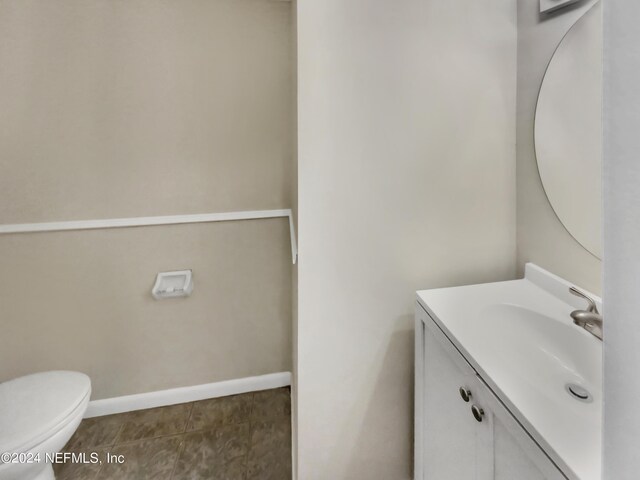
x,y
33,405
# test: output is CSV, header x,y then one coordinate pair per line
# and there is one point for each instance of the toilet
x,y
38,415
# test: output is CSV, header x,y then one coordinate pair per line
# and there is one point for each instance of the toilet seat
x,y
34,407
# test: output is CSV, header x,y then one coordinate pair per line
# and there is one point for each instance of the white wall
x,y
542,238
406,181
622,239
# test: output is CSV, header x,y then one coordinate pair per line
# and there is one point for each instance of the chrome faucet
x,y
589,319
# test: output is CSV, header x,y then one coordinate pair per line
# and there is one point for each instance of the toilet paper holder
x,y
173,284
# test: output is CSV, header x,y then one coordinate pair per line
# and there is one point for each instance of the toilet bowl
x,y
38,415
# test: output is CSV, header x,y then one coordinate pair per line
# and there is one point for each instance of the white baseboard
x,y
173,396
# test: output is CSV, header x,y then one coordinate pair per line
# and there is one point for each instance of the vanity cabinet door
x,y
511,461
455,444
515,454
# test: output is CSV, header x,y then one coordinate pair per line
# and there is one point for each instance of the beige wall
x,y
147,107
81,300
542,238
406,181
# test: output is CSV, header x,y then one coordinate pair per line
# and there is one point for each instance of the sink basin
x,y
548,352
520,339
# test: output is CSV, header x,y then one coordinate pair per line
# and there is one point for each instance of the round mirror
x,y
568,131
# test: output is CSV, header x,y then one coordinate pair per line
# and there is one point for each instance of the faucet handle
x,y
592,305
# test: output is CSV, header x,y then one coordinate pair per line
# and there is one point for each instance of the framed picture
x,y
547,6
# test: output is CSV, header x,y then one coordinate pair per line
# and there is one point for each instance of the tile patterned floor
x,y
241,437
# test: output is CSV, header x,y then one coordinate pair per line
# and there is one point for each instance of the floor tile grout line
x,y
186,425
97,474
176,434
253,402
249,440
85,448
115,439
181,448
108,449
133,441
250,430
147,439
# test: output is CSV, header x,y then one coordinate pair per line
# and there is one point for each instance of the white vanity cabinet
x,y
458,439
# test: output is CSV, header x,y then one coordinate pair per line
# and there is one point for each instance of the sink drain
x,y
578,392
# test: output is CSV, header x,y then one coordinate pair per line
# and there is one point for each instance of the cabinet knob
x,y
465,393
478,413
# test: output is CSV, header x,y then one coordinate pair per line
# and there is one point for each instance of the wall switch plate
x,y
173,284
548,6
